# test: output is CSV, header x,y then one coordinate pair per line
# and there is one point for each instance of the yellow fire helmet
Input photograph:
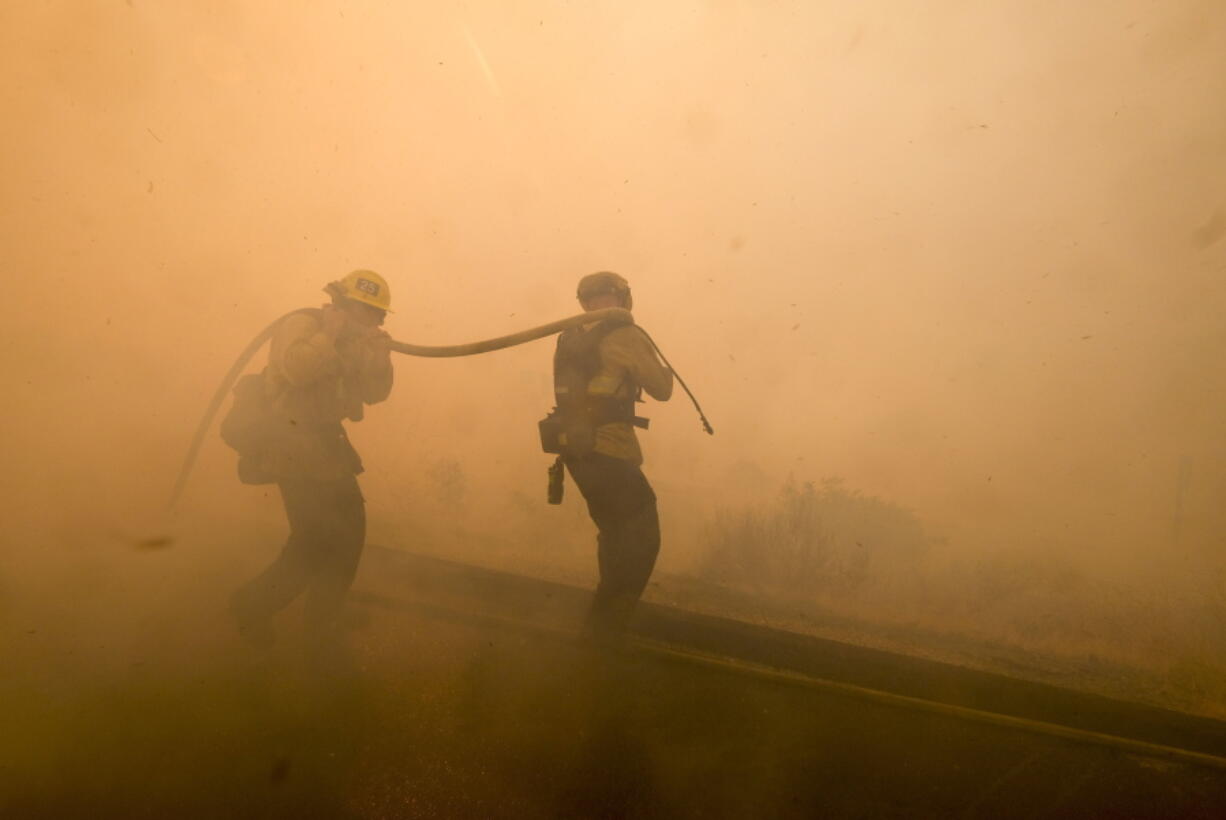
x,y
365,286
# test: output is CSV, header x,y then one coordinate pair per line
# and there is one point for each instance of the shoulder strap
x,y
578,349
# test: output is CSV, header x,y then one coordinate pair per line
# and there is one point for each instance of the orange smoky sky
x,y
968,257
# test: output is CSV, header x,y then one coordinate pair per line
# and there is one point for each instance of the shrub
x,y
813,538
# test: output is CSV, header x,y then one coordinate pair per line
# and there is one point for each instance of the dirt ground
x,y
437,715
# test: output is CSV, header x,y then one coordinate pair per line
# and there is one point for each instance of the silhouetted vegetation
x,y
824,556
814,537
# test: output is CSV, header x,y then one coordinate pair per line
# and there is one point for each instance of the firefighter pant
x,y
327,530
623,506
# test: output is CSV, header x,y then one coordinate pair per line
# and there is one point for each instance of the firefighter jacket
x,y
627,363
313,383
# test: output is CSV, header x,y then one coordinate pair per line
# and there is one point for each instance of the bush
x,y
813,538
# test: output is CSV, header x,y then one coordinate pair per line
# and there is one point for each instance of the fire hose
x,y
428,351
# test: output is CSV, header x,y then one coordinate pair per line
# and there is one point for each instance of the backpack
x,y
570,428
247,427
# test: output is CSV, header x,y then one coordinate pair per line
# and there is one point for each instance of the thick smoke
x,y
966,259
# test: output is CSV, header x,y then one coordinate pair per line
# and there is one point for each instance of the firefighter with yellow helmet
x,y
324,366
600,371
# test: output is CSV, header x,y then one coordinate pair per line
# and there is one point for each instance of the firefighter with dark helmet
x,y
600,371
324,366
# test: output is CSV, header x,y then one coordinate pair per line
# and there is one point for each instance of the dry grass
x,y
825,554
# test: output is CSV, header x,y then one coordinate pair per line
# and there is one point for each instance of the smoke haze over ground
x,y
968,258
